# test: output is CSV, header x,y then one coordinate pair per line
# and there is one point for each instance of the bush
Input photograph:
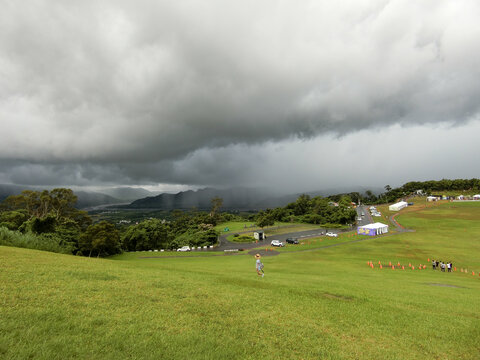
x,y
46,242
243,239
194,237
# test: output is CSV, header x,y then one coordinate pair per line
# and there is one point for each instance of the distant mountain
x,y
233,199
85,198
346,190
128,193
238,198
8,189
91,199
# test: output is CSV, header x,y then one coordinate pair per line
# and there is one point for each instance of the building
x,y
372,229
259,235
398,206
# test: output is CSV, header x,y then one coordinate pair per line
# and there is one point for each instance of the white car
x,y
184,248
277,243
331,234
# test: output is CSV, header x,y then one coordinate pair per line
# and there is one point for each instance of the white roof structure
x,y
377,228
377,225
476,196
398,206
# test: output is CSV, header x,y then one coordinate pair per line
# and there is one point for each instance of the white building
x,y
259,235
372,229
398,206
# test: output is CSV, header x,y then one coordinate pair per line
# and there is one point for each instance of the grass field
x,y
323,303
278,229
241,226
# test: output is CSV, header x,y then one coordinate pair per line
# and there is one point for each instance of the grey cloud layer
x,y
151,82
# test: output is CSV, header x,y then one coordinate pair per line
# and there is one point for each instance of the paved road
x,y
366,218
227,245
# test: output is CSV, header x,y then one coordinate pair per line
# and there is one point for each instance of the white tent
x,y
432,198
476,197
372,229
398,206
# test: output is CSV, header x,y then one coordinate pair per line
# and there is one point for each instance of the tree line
x,y
410,188
49,220
316,210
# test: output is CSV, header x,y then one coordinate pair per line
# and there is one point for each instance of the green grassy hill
x,y
323,303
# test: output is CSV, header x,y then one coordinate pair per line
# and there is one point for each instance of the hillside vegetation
x,y
324,303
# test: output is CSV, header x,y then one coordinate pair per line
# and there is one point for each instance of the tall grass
x,y
33,241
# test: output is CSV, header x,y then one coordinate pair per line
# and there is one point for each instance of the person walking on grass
x,y
433,264
259,266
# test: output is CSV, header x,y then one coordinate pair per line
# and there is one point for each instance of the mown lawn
x,y
318,304
279,227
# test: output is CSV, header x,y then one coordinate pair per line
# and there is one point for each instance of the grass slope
x,y
317,304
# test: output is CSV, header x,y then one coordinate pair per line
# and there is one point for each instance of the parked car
x,y
277,243
184,248
332,234
292,241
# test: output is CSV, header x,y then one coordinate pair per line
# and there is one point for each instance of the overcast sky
x,y
293,95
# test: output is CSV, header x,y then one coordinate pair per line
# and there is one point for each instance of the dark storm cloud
x,y
126,91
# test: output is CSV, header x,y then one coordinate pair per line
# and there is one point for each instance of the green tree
x,y
147,235
101,239
265,218
13,219
217,203
302,205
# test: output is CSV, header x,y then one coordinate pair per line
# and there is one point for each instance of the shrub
x,y
46,242
244,238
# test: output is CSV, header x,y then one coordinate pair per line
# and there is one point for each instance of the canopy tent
x,y
372,229
398,206
476,197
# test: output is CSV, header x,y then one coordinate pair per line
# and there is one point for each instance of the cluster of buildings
x,y
459,197
463,197
379,228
